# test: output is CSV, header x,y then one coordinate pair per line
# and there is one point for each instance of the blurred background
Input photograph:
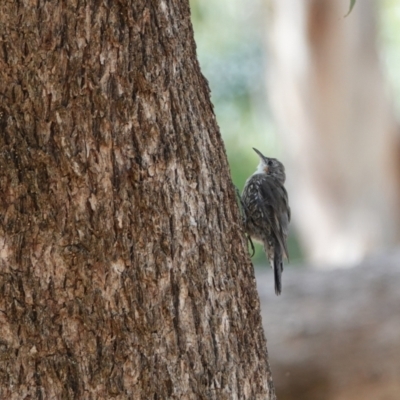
x,y
300,82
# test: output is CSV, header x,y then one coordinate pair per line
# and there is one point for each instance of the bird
x,y
267,213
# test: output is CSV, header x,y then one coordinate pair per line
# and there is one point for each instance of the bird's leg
x,y
252,246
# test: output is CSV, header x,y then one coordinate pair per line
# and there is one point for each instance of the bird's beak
x,y
260,154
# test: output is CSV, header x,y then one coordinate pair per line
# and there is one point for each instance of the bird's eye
x,y
270,163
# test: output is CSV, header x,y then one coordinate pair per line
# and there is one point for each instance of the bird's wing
x,y
276,206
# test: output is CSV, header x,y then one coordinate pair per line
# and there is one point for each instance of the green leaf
x,y
352,2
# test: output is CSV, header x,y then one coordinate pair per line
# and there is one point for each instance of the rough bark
x,y
339,131
124,271
334,335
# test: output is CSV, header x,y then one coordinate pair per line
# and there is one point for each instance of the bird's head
x,y
271,167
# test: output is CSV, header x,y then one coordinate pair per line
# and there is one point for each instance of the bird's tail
x,y
274,254
278,268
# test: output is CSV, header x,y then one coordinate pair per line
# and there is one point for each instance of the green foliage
x,y
352,3
230,38
230,47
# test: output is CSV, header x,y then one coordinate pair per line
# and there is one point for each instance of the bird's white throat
x,y
260,169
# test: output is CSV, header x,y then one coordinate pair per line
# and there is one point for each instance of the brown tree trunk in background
x,y
330,101
124,271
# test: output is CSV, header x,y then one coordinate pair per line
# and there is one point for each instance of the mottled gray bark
x,y
123,268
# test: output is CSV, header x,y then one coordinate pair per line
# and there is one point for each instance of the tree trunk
x,y
124,269
329,97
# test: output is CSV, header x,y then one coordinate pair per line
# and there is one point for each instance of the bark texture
x,y
123,269
340,134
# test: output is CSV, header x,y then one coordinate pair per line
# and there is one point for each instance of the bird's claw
x,y
252,246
